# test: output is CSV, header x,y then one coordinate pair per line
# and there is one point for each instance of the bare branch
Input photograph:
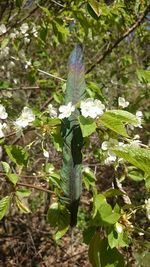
x,y
117,42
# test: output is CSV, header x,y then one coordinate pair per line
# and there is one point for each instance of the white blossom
x,y
110,159
24,27
52,111
86,169
122,102
26,40
119,228
104,145
2,29
15,81
139,116
28,63
3,113
45,153
91,108
4,52
25,118
14,34
111,143
2,127
11,64
34,31
66,110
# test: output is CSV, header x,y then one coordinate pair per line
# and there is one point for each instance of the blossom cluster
x,y
90,107
108,145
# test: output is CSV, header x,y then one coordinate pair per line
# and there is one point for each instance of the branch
x,y
20,88
117,42
35,187
19,22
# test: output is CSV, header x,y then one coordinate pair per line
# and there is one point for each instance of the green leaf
x,y
101,255
103,211
21,206
6,166
135,175
13,177
17,154
4,205
116,119
116,239
89,178
143,75
88,125
88,234
94,251
113,192
139,157
61,233
95,5
147,181
58,216
23,192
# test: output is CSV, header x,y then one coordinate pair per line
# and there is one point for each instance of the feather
x,y
73,141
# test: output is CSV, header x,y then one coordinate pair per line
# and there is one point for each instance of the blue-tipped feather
x,y
73,140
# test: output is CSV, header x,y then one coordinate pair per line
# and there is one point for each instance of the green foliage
x,y
21,205
58,216
102,212
88,125
4,205
13,177
139,157
115,120
101,255
35,44
17,154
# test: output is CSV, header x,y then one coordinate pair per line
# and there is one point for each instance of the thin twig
x,y
57,3
51,75
20,88
111,47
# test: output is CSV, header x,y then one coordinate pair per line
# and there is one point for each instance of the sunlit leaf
x,y
4,205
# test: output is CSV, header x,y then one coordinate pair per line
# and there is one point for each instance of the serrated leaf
x,y
113,124
13,177
139,157
116,119
4,205
21,206
17,154
88,125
